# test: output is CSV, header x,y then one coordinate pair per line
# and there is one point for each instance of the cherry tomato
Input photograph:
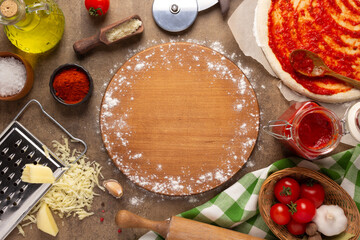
x,y
97,7
280,214
296,228
314,192
287,190
302,211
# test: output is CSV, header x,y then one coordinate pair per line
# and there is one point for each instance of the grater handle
x,y
57,123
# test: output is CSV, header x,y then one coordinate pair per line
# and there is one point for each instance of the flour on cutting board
x,y
123,131
215,45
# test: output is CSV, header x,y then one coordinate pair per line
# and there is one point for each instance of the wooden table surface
x,y
209,29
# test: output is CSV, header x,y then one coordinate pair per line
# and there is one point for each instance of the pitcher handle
x,y
38,7
278,123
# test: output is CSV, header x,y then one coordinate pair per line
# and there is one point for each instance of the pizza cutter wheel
x,y
175,15
178,15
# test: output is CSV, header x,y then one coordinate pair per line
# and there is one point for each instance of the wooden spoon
x,y
318,68
84,45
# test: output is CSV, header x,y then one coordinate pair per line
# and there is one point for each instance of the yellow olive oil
x,y
39,31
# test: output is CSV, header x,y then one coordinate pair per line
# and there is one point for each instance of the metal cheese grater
x,y
17,148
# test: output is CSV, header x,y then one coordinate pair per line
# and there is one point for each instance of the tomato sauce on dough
x,y
303,63
321,26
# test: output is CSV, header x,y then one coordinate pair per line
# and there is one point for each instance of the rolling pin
x,y
178,228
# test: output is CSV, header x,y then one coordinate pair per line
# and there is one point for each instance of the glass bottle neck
x,y
11,11
21,14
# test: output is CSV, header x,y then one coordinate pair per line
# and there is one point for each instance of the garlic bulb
x,y
330,219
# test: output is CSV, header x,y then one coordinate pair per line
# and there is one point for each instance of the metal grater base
x,y
17,148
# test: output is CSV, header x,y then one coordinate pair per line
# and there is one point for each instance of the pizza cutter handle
x,y
57,123
225,6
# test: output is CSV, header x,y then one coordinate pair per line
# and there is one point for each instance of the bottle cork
x,y
8,8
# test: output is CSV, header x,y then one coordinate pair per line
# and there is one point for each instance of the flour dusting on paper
x,y
241,24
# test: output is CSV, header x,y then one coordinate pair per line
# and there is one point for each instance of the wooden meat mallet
x,y
178,228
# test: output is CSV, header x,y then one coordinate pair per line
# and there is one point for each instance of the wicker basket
x,y
334,194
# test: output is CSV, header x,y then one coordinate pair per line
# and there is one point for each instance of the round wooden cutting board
x,y
179,119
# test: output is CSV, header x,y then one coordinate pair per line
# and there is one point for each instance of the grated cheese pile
x,y
72,194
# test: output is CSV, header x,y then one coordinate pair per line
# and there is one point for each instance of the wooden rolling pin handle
x,y
84,45
184,229
126,219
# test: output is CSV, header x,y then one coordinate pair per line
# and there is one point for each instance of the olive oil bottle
x,y
34,26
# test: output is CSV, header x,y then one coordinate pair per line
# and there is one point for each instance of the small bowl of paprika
x,y
71,84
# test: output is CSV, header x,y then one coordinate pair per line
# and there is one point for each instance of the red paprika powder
x,y
71,85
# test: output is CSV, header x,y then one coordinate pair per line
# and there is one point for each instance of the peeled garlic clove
x,y
113,187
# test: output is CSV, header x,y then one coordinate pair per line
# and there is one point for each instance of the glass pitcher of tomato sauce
x,y
311,130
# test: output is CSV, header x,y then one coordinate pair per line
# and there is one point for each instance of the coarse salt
x,y
12,76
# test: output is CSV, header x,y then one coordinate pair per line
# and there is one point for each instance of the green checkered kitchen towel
x,y
236,207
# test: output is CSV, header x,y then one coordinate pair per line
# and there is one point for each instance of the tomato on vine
x,y
296,228
302,211
314,192
287,190
97,7
280,214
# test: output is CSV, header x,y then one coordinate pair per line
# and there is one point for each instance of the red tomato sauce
x,y
302,62
290,30
315,131
308,129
